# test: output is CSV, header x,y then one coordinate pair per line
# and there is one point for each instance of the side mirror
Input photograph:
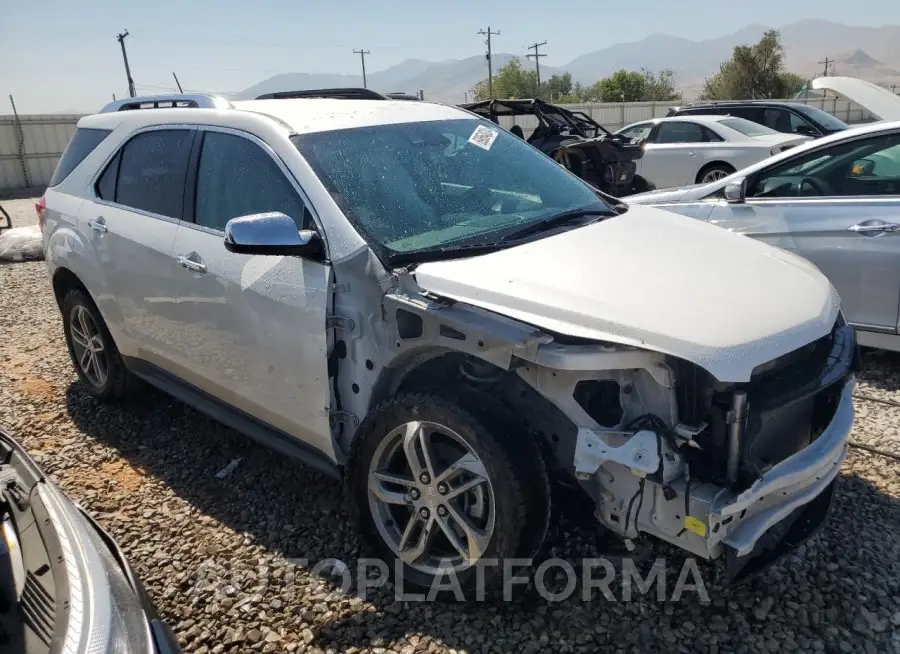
x,y
270,233
806,130
736,191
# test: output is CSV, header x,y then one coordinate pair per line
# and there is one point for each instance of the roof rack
x,y
177,100
342,94
400,95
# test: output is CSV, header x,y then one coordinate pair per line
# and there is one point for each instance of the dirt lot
x,y
147,470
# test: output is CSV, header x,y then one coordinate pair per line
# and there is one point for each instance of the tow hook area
x,y
781,538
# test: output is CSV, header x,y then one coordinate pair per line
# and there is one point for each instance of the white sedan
x,y
702,149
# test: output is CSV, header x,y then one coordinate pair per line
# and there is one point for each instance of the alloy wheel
x,y
431,498
87,346
714,176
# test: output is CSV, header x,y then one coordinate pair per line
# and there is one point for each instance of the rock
x,y
762,611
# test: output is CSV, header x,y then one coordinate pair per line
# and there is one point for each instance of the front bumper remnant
x,y
781,538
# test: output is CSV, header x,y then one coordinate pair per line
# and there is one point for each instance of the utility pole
x,y
489,57
828,62
121,39
362,57
177,83
537,61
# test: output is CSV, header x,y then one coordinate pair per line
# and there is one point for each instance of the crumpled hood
x,y
656,280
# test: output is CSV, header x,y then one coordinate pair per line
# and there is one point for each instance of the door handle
x,y
874,227
191,264
98,225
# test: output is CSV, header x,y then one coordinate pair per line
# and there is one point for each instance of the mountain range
x,y
871,53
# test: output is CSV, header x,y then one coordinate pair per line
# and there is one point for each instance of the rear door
x,y
131,224
254,326
672,154
839,207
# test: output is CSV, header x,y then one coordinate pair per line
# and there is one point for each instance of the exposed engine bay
x,y
659,446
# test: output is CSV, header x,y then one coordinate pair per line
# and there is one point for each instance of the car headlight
x,y
105,614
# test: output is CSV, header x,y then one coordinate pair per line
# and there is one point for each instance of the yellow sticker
x,y
694,525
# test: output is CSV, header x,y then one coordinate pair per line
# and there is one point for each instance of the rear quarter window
x,y
82,143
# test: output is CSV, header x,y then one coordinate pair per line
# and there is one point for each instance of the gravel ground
x,y
147,471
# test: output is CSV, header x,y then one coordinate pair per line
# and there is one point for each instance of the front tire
x,y
445,487
92,349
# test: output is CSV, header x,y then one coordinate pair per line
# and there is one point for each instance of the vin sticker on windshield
x,y
483,137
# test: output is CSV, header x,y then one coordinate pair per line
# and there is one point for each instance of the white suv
x,y
408,297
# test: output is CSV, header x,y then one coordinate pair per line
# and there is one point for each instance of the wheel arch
x,y
718,163
63,281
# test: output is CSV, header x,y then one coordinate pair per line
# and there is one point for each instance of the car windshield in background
x,y
436,184
747,127
825,119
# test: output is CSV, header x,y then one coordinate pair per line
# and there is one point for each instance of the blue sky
x,y
57,55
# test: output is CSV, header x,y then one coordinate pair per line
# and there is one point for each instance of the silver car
x,y
834,201
407,297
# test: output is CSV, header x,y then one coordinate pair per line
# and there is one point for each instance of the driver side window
x,y
865,167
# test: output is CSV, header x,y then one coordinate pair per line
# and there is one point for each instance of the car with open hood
x,y
412,299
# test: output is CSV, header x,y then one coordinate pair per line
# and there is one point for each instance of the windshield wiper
x,y
442,253
557,220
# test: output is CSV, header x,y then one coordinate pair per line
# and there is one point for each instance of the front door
x,y
254,326
839,207
131,224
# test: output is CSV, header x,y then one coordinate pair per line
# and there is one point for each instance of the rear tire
x,y
91,347
506,509
714,172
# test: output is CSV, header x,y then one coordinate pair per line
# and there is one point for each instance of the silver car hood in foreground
x,y
652,279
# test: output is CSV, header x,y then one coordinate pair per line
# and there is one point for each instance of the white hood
x,y
878,101
656,280
781,139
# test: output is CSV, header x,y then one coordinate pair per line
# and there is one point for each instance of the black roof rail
x,y
400,95
342,94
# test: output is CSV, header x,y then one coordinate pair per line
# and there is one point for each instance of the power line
x,y
537,60
121,39
489,57
827,62
362,57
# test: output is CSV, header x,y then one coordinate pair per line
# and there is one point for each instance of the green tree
x,y
621,86
511,81
558,88
659,87
754,72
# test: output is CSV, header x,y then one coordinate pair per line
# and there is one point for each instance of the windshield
x,y
747,127
466,182
825,119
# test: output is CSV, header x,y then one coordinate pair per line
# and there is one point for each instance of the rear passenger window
x,y
679,132
82,143
106,185
237,178
152,171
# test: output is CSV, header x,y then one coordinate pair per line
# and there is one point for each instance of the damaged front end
x,y
747,470
743,470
